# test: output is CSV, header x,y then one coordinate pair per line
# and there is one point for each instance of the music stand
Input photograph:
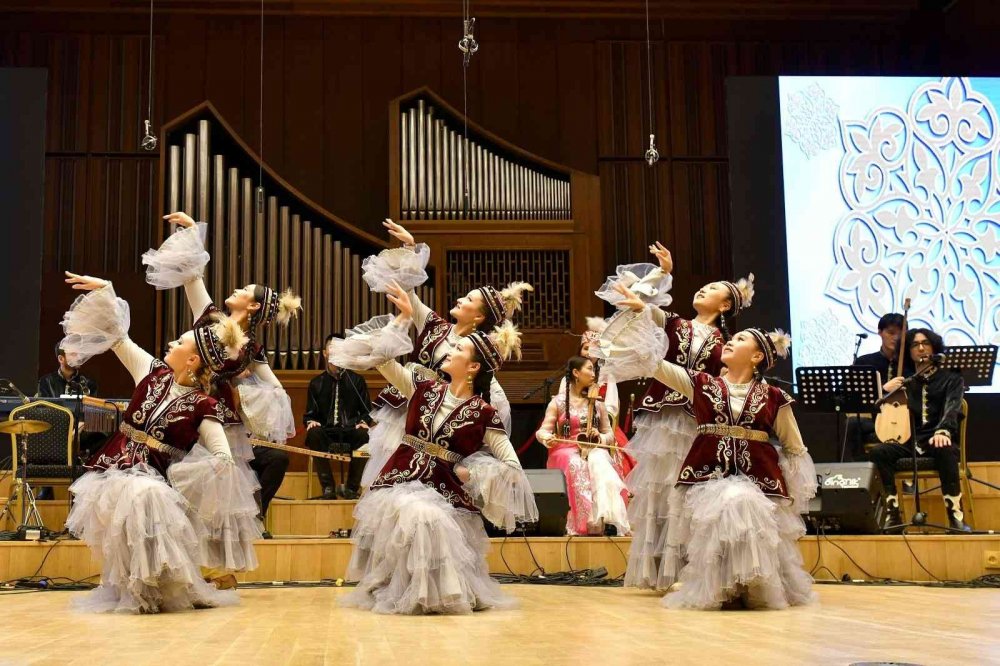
x,y
838,389
975,363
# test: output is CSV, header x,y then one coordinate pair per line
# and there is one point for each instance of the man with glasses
x,y
935,401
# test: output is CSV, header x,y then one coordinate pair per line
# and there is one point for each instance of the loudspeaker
x,y
849,499
549,488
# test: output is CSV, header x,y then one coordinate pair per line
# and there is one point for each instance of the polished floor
x,y
553,626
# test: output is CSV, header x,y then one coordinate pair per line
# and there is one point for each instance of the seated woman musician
x,y
577,432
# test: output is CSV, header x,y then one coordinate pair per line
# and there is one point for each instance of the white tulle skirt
x,y
414,553
737,542
222,501
149,546
383,438
660,445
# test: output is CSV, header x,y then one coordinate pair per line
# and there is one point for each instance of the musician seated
x,y
65,381
861,429
934,397
337,421
597,493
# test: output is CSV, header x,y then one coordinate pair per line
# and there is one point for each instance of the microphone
x,y
862,336
937,359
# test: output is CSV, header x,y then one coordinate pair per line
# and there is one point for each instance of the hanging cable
x,y
260,117
468,46
652,154
149,140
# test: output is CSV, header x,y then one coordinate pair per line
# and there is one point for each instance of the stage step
x,y
319,517
947,557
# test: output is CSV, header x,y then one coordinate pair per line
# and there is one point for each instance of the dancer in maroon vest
x,y
735,528
483,308
419,541
149,540
664,425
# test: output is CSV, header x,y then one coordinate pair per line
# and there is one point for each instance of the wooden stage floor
x,y
553,626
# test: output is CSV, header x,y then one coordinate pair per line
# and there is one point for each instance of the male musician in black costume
x,y
337,421
65,381
861,429
935,397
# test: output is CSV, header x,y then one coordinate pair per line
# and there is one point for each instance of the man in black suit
x,y
861,429
337,421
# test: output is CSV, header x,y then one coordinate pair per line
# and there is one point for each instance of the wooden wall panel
x,y
572,90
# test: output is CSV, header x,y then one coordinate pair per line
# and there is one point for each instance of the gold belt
x,y
147,440
431,449
737,432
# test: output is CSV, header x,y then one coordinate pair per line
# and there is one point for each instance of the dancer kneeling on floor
x,y
737,526
419,541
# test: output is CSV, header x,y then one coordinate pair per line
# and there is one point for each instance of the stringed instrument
x,y
892,424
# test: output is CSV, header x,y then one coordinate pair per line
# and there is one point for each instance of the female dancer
x,y
419,542
596,490
483,308
664,425
141,527
734,527
245,383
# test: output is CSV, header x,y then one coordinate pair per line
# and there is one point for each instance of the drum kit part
x,y
31,519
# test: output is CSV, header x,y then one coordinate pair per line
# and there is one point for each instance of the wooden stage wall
x,y
570,89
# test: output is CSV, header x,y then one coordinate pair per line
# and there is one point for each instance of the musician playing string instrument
x,y
934,396
595,487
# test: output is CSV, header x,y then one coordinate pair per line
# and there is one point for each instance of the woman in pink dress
x,y
594,485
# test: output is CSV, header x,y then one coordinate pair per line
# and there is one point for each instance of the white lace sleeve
x,y
498,485
632,346
94,322
371,344
180,259
405,266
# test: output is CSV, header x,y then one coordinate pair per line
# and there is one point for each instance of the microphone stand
x,y
546,385
857,346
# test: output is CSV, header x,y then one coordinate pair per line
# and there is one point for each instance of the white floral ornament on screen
x,y
923,219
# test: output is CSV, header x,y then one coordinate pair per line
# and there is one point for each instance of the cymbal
x,y
23,427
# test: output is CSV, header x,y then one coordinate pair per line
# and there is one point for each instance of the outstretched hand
x,y
85,282
179,218
663,256
398,297
398,232
630,301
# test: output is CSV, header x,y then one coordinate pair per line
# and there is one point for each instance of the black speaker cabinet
x,y
849,500
549,488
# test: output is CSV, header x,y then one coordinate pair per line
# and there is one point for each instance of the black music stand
x,y
838,389
975,363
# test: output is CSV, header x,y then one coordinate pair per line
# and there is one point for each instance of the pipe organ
x,y
261,229
493,212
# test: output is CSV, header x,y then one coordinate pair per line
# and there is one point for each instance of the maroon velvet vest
x,y
462,432
435,332
713,456
708,359
176,426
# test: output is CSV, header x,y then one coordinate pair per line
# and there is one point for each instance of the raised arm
x,y
135,359
676,378
398,376
99,321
